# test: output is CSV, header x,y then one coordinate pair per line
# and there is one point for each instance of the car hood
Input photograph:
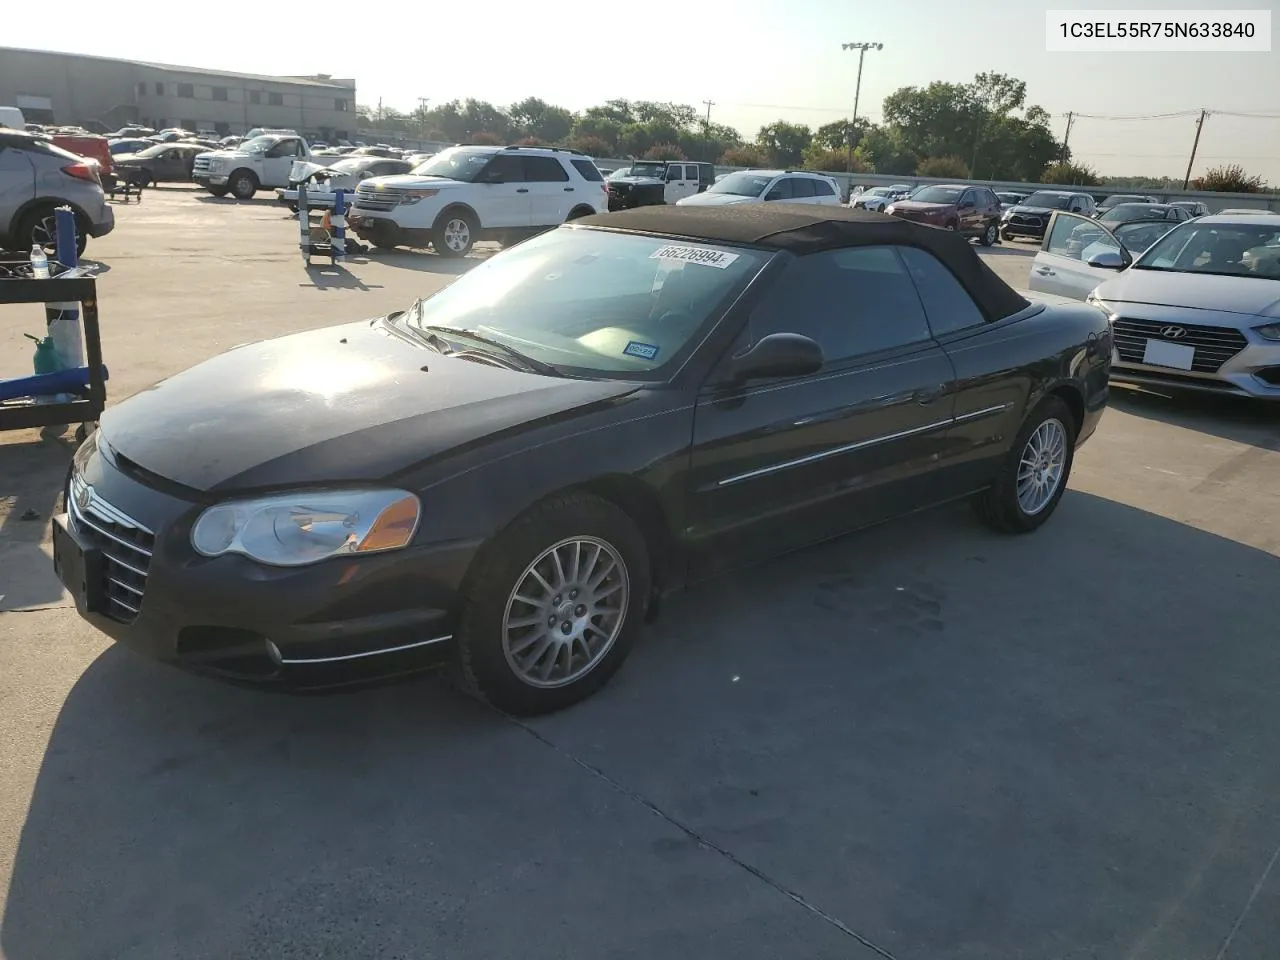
x,y
354,403
1254,296
634,181
410,181
922,205
714,200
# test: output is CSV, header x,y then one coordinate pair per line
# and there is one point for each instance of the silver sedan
x,y
1199,309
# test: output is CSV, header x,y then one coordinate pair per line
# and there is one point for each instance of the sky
x,y
756,60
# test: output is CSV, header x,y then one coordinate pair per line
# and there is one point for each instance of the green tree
x,y
836,135
664,151
784,143
1230,178
537,118
882,149
1071,174
744,155
818,157
598,127
478,115
943,168
619,111
591,146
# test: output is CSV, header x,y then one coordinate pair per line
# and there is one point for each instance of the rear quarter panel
x,y
1005,368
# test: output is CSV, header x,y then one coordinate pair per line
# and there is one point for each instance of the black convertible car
x,y
510,473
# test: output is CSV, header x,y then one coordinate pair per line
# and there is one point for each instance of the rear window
x,y
588,170
49,149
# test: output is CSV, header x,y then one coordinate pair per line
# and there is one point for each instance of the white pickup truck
x,y
258,164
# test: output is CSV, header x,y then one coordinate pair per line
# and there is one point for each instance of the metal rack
x,y
87,407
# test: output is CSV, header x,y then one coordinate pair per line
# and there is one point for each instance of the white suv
x,y
767,186
465,194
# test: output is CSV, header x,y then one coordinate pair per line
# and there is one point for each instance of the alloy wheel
x,y
457,235
1041,467
566,612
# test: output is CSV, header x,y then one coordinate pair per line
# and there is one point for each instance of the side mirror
x,y
777,355
1107,260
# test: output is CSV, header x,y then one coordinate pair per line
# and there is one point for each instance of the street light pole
x,y
862,49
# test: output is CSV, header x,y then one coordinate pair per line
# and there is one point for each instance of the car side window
x,y
823,188
675,171
781,190
947,304
544,170
507,168
1078,238
967,199
801,187
853,302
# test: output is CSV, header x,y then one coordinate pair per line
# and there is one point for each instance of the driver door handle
x,y
568,189
522,190
1045,272
927,395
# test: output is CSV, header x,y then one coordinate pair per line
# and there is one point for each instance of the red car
x,y
91,147
972,211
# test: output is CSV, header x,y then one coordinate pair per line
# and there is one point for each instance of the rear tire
x,y
454,233
554,605
40,226
1034,473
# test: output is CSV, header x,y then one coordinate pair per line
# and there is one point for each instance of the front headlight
x,y
1271,331
413,196
294,529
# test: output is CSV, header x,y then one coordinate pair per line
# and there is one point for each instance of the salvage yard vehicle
x,y
256,164
37,177
767,186
160,163
509,473
1030,217
465,194
652,182
1196,307
346,174
969,211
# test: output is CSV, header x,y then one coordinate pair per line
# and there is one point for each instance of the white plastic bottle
x,y
39,263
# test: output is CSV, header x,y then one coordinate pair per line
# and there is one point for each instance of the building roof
x,y
800,231
265,78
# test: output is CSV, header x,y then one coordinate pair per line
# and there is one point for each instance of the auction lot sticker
x,y
700,255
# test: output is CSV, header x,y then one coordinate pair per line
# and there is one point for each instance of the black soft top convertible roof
x,y
809,228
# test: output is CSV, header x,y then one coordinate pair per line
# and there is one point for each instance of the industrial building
x,y
104,93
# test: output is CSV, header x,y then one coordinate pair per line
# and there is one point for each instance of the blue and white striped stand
x,y
64,318
304,223
339,224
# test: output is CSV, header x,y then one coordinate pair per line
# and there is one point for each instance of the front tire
x,y
1033,475
454,233
1006,236
554,605
243,185
989,235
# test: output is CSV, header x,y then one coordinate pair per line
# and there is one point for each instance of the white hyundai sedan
x,y
1197,307
767,186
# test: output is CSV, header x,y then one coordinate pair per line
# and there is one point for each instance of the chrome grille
x,y
383,199
200,165
126,548
1214,346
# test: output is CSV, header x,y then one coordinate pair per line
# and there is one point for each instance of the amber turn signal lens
x,y
393,528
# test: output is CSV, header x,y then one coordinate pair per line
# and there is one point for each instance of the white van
x,y
12,118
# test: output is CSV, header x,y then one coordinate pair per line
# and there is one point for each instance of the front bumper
x,y
333,624
210,179
1253,370
1032,230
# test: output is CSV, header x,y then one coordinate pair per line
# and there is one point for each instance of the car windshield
x,y
455,164
877,192
656,170
620,172
1042,198
153,151
595,303
258,144
1134,211
743,185
1224,249
938,194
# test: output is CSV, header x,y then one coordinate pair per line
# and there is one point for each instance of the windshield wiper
x,y
526,361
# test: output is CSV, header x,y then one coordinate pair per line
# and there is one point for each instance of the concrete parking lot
x,y
923,741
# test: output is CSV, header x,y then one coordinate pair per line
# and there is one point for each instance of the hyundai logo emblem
x,y
84,496
1173,333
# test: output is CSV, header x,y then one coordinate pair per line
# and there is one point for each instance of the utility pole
x,y
1194,146
862,49
1062,157
422,118
710,104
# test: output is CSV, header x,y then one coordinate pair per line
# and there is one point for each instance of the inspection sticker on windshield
x,y
645,351
708,258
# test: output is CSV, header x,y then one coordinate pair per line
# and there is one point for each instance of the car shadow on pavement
x,y
232,201
1007,248
1253,422
424,262
31,474
941,741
